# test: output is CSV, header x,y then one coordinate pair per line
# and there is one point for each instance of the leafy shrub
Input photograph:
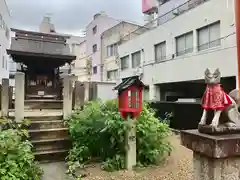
x,y
98,133
16,158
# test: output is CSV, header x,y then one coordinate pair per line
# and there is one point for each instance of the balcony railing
x,y
179,10
164,18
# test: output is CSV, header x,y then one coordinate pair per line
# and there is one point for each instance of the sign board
x,y
41,93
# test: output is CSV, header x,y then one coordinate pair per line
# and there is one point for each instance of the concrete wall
x,y
105,91
109,37
103,22
4,40
191,66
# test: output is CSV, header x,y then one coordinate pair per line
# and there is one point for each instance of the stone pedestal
x,y
86,91
214,157
79,94
130,144
67,96
19,96
5,97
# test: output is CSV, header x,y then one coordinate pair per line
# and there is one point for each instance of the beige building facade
x,y
110,40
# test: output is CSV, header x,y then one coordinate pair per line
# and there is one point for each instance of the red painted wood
x,y
237,11
135,100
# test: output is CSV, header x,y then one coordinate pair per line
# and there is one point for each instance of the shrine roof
x,y
20,31
36,49
40,60
44,46
127,82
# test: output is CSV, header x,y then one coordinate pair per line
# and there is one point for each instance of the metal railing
x,y
185,7
179,10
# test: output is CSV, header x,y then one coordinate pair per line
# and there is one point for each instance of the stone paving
x,y
177,167
54,171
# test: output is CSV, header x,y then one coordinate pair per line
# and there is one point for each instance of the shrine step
x,y
44,118
46,124
51,156
43,104
50,140
44,134
41,97
41,146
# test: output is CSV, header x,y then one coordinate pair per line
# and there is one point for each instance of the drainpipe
x,y
102,48
237,13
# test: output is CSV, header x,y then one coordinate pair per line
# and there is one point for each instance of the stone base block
x,y
206,168
215,157
219,130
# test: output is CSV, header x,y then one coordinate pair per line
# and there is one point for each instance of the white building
x,y
195,36
100,23
110,40
79,66
5,21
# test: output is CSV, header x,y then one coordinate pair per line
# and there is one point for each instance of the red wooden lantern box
x,y
130,97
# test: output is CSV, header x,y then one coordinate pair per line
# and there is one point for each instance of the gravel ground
x,y
177,167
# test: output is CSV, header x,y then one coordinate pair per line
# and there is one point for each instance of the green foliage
x,y
98,133
16,158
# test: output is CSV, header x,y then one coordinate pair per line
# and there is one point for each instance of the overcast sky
x,y
70,16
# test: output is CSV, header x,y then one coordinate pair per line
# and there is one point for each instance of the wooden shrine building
x,y
40,55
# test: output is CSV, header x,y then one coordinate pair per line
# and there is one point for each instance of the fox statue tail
x,y
234,94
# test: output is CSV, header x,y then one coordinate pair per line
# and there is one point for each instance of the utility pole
x,y
237,24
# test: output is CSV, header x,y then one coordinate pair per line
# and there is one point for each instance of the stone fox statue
x,y
216,99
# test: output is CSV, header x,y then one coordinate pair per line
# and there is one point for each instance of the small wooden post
x,y
131,145
79,94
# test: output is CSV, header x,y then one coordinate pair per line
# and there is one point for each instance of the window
x,y
160,51
112,50
184,44
94,48
209,36
111,75
124,62
94,29
136,59
95,70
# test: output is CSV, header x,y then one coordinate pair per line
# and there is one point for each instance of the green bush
x,y
97,133
16,158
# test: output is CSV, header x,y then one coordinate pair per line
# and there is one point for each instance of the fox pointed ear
x,y
207,71
217,72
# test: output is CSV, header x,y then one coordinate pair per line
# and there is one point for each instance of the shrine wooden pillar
x,y
237,13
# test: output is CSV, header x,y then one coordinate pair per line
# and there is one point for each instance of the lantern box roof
x,y
127,82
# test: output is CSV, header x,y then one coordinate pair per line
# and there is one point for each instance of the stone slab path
x,y
177,167
54,171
